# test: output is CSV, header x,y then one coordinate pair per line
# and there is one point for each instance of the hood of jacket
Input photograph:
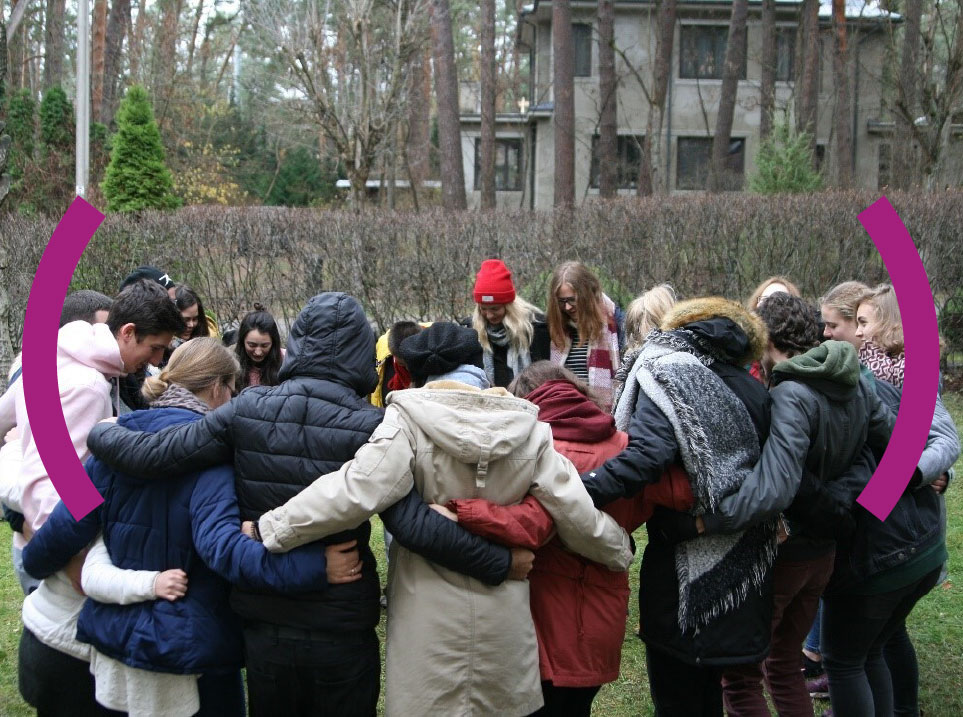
x,y
331,340
92,345
832,368
469,424
739,336
570,413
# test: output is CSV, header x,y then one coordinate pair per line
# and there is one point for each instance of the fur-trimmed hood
x,y
702,310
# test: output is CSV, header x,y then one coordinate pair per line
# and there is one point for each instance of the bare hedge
x,y
422,265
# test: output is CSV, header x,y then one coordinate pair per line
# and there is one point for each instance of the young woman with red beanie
x,y
511,331
579,607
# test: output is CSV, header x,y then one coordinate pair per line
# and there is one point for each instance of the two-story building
x,y
525,139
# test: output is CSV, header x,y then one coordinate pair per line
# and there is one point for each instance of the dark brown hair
x,y
542,372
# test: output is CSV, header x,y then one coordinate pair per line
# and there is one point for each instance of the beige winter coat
x,y
454,645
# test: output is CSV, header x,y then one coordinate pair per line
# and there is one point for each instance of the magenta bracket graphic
x,y
40,329
921,337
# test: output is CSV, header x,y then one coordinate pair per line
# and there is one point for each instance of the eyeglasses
x,y
566,301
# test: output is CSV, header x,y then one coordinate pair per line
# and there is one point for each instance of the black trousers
x,y
566,701
55,683
296,672
683,690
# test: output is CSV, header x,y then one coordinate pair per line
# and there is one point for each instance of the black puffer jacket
x,y
281,438
739,636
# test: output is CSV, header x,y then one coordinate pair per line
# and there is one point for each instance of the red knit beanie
x,y
493,285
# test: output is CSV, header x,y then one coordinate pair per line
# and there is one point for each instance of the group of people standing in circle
x,y
511,456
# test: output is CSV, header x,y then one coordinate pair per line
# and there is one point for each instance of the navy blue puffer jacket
x,y
191,523
281,438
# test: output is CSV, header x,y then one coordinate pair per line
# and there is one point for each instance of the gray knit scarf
x,y
719,447
517,362
176,396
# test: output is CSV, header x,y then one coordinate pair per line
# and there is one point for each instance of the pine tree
x,y
137,177
56,121
784,163
21,126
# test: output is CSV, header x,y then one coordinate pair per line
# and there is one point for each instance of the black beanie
x,y
440,348
148,272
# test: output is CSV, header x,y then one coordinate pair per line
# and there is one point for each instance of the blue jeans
x,y
27,583
855,628
812,639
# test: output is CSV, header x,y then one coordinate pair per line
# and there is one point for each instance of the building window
x,y
694,158
629,157
582,41
703,52
508,165
785,54
883,176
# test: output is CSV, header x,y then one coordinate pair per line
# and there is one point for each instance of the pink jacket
x,y
87,358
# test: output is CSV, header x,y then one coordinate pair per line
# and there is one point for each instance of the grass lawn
x,y
936,627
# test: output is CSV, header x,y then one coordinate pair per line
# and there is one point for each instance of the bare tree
x,y
735,61
608,89
807,56
487,148
563,88
767,84
927,99
653,172
446,95
843,114
348,61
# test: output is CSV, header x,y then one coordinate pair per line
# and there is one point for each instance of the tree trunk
x,y
735,59
608,87
192,45
654,169
563,87
446,94
116,29
98,34
808,60
135,41
843,114
767,86
419,120
487,149
910,80
53,63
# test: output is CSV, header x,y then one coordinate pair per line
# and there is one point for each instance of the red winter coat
x,y
579,607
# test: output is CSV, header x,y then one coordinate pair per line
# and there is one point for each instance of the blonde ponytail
x,y
195,365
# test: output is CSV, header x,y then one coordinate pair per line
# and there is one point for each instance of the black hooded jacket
x,y
281,438
741,635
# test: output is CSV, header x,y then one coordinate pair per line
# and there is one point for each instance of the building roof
x,y
855,9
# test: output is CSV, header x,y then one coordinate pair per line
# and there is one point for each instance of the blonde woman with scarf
x,y
512,332
584,329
